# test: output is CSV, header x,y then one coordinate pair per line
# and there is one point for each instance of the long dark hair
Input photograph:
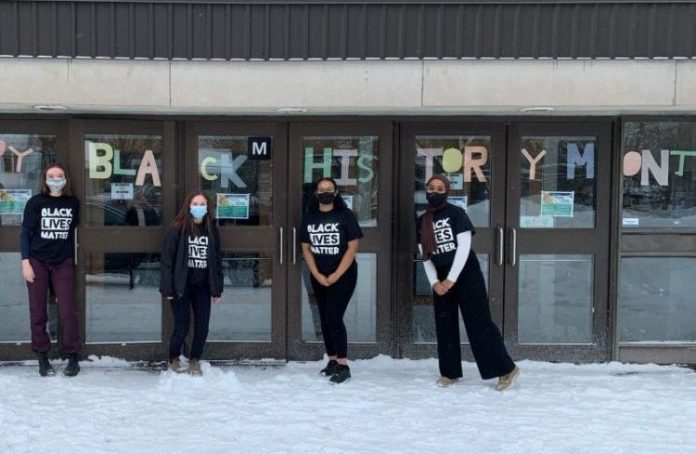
x,y
184,220
427,234
67,190
339,203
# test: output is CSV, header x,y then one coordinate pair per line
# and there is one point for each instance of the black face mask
x,y
436,199
326,198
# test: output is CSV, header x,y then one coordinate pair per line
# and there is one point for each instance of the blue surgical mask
x,y
55,184
198,211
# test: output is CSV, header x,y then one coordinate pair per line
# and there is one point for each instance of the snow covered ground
x,y
390,406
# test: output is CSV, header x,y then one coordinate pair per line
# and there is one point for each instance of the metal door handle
x,y
75,246
501,246
294,246
280,245
513,246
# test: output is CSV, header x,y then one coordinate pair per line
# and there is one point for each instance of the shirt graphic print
x,y
325,238
56,223
198,252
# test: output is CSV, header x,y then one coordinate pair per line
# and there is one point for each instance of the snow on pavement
x,y
389,406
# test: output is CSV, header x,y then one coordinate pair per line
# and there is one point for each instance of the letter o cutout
x,y
451,160
632,162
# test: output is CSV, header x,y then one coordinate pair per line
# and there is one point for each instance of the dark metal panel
x,y
275,29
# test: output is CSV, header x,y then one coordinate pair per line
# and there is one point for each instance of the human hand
x,y
28,271
447,284
332,278
439,288
216,299
322,279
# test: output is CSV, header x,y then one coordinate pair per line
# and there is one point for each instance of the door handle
x,y
513,246
294,246
280,244
75,246
501,246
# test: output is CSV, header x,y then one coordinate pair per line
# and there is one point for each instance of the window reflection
x,y
353,161
241,188
466,162
123,180
123,299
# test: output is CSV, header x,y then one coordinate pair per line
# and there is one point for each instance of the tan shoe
x,y
507,380
195,367
175,365
444,382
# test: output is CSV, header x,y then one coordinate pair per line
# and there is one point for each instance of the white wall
x,y
326,87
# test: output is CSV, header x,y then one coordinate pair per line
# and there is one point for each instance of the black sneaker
x,y
330,369
342,375
45,368
73,366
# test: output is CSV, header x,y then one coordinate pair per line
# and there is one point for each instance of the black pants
x,y
197,298
332,302
468,295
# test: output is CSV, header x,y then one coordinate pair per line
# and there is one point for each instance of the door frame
x,y
249,238
596,241
487,239
377,239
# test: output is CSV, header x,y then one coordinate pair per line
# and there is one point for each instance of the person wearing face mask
x,y
47,244
191,277
330,235
444,240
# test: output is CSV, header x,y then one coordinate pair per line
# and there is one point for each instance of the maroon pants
x,y
62,277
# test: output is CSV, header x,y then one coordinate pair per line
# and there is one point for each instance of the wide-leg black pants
x,y
469,296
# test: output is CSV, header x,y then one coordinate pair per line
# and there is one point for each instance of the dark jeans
x,y
470,297
332,302
62,277
198,299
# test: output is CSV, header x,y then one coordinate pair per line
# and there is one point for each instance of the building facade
x,y
568,130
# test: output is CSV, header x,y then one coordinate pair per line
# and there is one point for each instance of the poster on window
x,y
558,204
459,201
12,201
232,206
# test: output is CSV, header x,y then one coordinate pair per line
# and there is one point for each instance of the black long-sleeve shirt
x,y
48,228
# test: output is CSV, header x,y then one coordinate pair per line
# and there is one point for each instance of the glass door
x,y
242,167
558,231
26,147
471,155
124,175
357,155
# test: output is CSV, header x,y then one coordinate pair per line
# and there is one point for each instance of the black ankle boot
x,y
342,374
45,368
330,368
73,366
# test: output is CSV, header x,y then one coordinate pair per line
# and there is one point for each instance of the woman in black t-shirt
x,y
330,237
48,244
444,240
191,276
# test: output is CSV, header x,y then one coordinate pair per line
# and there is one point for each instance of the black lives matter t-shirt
x,y
197,246
329,234
48,228
447,224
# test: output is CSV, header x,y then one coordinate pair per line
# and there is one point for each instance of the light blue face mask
x,y
198,211
55,184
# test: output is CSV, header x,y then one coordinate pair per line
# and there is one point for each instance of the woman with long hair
x,y
454,273
330,237
191,276
47,245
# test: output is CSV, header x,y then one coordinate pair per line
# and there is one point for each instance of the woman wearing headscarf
x,y
444,240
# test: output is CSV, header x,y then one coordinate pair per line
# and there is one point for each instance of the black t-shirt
x,y
329,234
48,228
197,258
447,224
